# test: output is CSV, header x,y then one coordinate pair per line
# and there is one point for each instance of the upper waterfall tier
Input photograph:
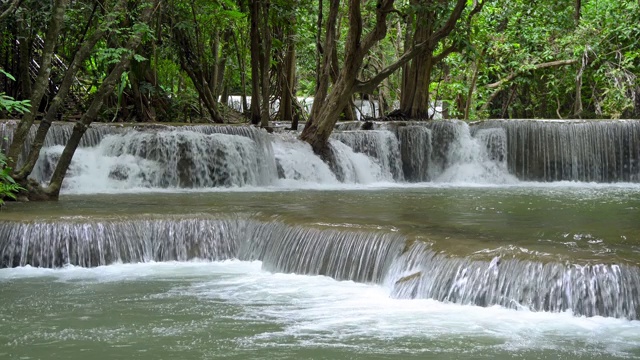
x,y
591,151
119,158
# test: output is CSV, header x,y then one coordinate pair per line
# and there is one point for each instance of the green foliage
x,y
9,104
8,186
508,39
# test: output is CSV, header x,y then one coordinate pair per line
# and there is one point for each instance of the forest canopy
x,y
499,59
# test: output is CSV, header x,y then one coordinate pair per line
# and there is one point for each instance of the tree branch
x,y
370,85
446,52
513,75
498,84
448,27
379,31
12,7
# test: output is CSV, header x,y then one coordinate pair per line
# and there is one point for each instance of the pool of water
x,y
236,309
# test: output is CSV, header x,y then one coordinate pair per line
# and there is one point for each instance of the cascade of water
x,y
466,158
58,134
296,161
416,150
189,159
442,151
161,159
381,145
409,269
600,151
589,290
266,157
353,167
342,255
45,244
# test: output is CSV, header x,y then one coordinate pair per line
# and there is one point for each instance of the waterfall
x,y
589,290
410,269
448,151
464,157
354,167
296,161
416,149
593,151
58,134
89,244
381,145
168,157
116,158
342,255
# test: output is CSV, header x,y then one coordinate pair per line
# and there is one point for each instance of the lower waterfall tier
x,y
410,268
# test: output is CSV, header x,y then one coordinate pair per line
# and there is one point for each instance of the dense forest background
x,y
500,59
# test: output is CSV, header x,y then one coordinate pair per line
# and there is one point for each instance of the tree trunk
x,y
328,104
243,72
26,53
288,81
264,59
58,100
221,64
192,64
415,101
472,88
254,13
106,88
416,90
41,83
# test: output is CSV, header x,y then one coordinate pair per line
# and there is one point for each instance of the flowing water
x,y
422,240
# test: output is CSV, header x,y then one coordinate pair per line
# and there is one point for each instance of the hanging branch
x,y
371,84
12,7
498,85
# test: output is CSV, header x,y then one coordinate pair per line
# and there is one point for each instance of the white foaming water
x,y
296,161
382,146
159,160
358,167
92,171
189,161
479,159
316,311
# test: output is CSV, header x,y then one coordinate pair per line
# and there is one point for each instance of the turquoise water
x,y
235,309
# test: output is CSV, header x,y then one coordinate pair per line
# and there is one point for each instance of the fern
x,y
8,186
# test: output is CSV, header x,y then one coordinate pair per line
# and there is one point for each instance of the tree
x,y
196,28
432,22
41,82
63,90
125,54
330,100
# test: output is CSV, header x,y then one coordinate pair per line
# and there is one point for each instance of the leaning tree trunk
x,y
329,103
53,190
58,100
41,82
